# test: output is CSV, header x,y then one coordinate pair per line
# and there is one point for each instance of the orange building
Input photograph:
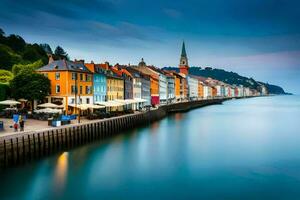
x,y
214,91
154,81
69,79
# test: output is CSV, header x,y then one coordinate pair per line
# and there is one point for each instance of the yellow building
x,y
66,78
115,86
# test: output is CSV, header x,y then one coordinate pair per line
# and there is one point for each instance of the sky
x,y
257,38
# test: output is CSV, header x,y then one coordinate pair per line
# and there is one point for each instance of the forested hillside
x,y
230,78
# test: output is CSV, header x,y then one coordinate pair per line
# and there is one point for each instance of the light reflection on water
x,y
244,149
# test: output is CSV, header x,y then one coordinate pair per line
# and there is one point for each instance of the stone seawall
x,y
25,147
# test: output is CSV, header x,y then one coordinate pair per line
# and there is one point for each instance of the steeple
x,y
183,52
183,64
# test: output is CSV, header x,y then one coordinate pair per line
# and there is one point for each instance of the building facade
x,y
69,80
192,88
100,82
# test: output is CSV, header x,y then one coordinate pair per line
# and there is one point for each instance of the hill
x,y
14,50
231,78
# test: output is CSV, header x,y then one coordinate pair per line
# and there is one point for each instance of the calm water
x,y
243,149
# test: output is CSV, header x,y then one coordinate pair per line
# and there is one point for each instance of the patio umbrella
x,y
9,102
110,103
49,105
87,106
48,110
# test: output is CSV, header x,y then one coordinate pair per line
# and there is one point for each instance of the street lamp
x,y
76,91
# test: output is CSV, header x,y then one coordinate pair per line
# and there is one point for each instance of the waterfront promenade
x,y
22,147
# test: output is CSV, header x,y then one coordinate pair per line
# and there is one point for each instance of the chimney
x,y
50,58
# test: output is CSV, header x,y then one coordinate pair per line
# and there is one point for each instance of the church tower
x,y
183,65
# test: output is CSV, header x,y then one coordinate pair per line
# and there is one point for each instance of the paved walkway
x,y
30,125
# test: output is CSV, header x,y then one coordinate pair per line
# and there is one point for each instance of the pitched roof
x,y
64,65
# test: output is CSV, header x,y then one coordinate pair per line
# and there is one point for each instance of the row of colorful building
x,y
76,82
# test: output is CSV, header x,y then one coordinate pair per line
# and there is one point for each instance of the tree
x,y
16,42
34,52
17,68
30,85
2,33
5,76
46,48
60,53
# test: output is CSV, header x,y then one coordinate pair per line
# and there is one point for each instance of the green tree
x,y
60,53
34,52
5,76
8,58
2,33
46,48
36,89
17,68
16,42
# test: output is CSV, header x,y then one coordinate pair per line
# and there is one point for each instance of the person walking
x,y
21,122
16,127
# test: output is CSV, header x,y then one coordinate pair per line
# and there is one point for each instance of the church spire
x,y
183,64
183,52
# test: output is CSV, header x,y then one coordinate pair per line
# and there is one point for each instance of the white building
x,y
171,88
207,92
232,92
192,88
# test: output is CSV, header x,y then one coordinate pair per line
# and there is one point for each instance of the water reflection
x,y
61,171
244,149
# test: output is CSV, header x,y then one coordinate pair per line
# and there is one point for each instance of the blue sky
x,y
257,38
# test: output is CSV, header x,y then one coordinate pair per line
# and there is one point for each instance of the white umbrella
x,y
138,100
48,110
110,103
49,105
9,102
124,101
87,106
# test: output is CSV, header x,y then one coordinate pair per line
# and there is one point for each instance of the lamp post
x,y
76,91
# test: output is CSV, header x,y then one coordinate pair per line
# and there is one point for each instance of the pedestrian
x,y
21,122
16,127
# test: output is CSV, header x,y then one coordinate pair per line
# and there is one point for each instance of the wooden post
x,y
5,153
24,150
12,151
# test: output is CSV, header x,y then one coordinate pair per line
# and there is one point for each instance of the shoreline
x,y
24,147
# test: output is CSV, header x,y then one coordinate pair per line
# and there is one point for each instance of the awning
x,y
124,101
9,102
86,106
110,103
50,105
48,110
139,100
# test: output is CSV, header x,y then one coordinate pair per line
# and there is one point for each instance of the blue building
x,y
99,81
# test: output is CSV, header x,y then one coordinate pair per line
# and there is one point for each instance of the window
x,y
88,77
88,89
57,89
72,101
80,89
57,75
88,101
73,89
81,77
74,76
80,100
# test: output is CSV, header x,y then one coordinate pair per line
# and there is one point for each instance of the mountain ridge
x,y
231,78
